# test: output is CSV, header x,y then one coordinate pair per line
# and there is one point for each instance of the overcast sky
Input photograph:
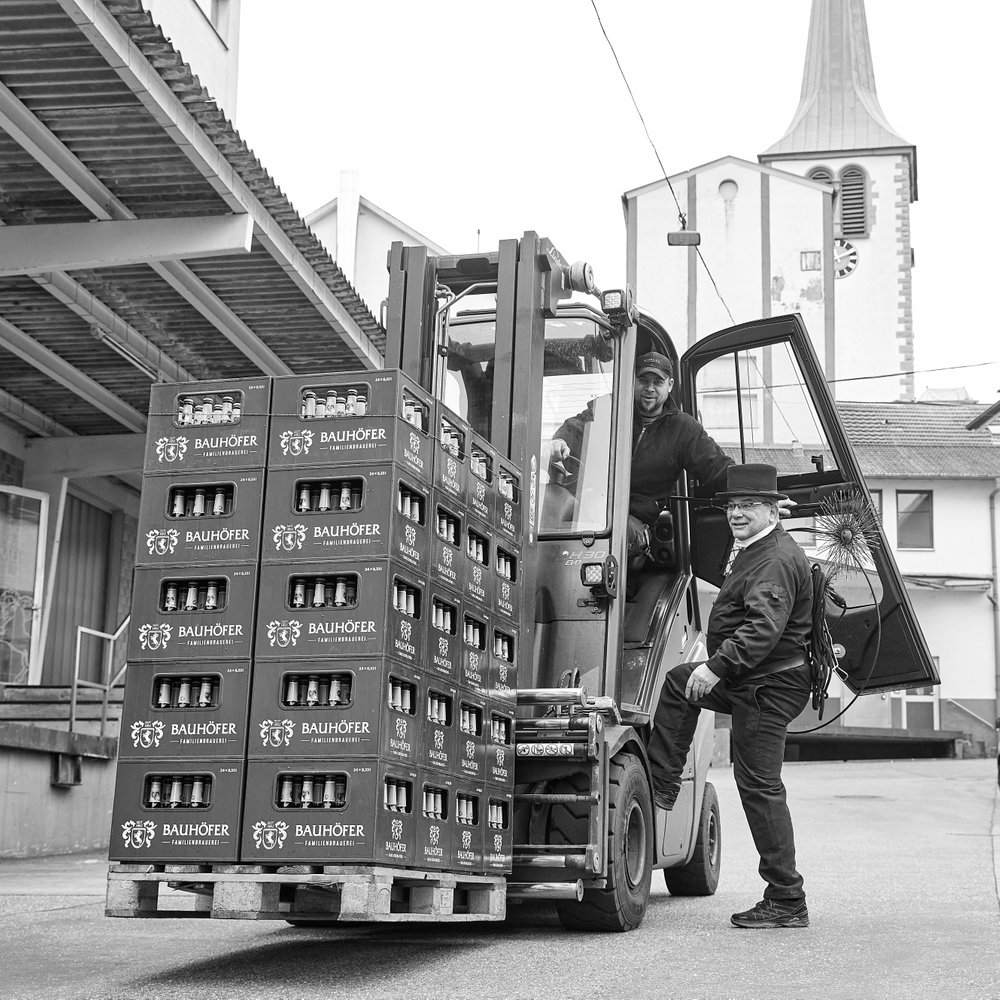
x,y
460,116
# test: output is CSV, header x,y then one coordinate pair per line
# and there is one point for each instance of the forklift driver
x,y
665,440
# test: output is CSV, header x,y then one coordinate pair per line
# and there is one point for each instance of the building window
x,y
876,496
821,174
811,260
853,202
915,519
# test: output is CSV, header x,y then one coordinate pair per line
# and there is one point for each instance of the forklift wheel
x,y
622,905
700,876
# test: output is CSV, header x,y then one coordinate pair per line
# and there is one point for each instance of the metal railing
x,y
109,682
969,712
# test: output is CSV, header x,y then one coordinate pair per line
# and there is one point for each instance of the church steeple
x,y
838,108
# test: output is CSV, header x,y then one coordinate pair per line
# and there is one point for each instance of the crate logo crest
x,y
296,443
147,733
411,535
276,732
414,441
502,670
501,756
477,575
481,491
397,829
505,591
466,839
401,729
284,633
154,636
452,468
171,449
162,541
508,510
406,630
498,843
289,536
470,749
446,557
443,646
438,739
434,833
269,834
138,833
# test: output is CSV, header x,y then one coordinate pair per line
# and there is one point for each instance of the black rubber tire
x,y
622,905
700,876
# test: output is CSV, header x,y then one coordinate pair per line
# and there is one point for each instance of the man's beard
x,y
650,406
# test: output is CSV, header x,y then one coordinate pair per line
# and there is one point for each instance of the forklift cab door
x,y
758,389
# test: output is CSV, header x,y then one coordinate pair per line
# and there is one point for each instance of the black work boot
x,y
774,913
665,800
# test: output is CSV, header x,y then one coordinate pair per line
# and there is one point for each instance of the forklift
x,y
597,635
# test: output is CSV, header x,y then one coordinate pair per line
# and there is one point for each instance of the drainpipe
x,y
995,598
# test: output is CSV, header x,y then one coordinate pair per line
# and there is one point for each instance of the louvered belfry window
x,y
853,202
820,174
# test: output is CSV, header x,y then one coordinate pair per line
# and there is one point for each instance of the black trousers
x,y
761,711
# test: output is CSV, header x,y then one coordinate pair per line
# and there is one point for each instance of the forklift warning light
x,y
592,574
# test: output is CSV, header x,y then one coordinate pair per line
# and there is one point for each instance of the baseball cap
x,y
655,362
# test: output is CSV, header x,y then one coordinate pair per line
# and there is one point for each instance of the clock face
x,y
845,258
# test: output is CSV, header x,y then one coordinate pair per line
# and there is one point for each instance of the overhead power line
x,y
680,213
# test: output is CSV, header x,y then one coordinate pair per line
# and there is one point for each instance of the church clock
x,y
845,258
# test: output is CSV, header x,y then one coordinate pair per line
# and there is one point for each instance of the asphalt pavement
x,y
900,860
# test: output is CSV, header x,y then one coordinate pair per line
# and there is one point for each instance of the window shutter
x,y
853,203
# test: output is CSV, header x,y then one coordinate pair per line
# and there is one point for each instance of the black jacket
x,y
660,450
764,610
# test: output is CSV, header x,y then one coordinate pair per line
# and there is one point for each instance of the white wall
x,y
206,33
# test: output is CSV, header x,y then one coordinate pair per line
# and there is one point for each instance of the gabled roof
x,y
369,206
920,440
735,161
838,108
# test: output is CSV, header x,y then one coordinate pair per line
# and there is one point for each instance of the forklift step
x,y
556,798
304,893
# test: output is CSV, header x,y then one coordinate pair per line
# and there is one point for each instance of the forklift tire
x,y
700,876
622,905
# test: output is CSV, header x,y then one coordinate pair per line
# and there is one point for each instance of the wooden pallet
x,y
304,893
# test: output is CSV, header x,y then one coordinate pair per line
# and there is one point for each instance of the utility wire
x,y
680,214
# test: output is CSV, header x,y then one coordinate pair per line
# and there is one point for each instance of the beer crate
x,y
175,710
435,809
349,608
467,830
365,811
501,681
500,745
348,512
478,551
193,519
481,488
178,615
328,397
363,707
444,635
177,810
439,704
475,658
182,436
498,847
471,736
506,584
452,438
508,514
447,538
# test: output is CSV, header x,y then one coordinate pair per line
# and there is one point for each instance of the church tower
x,y
840,135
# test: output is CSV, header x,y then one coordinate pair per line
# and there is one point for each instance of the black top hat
x,y
751,481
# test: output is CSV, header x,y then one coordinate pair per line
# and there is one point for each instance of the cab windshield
x,y
577,415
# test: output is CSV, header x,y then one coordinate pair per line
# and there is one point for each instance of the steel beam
x,y
90,308
73,246
87,456
28,349
29,418
127,60
76,177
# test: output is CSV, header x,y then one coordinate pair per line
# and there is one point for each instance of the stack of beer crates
x,y
183,743
375,722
